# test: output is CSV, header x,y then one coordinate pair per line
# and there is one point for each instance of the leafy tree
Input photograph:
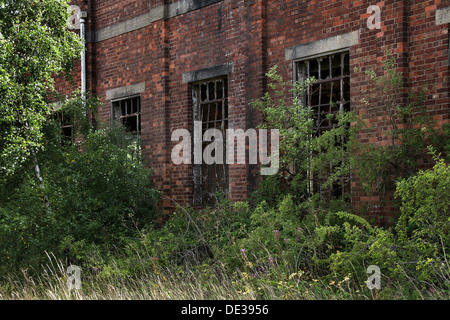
x,y
35,45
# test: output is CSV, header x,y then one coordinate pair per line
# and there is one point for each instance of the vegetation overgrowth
x,y
90,202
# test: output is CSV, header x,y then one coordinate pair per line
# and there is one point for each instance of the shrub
x,y
424,224
190,236
92,190
416,247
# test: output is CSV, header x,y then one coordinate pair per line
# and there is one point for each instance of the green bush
x,y
93,190
416,247
190,236
103,193
424,224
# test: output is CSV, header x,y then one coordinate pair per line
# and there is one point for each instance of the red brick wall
x,y
254,36
408,29
229,31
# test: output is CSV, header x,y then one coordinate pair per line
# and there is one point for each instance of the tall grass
x,y
208,282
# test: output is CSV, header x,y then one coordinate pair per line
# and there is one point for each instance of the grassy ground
x,y
205,282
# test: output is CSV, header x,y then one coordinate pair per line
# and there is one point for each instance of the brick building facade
x,y
163,53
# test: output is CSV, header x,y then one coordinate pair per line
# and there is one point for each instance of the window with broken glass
x,y
210,102
328,95
127,112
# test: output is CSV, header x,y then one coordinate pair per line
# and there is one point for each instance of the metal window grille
x,y
328,95
210,101
127,112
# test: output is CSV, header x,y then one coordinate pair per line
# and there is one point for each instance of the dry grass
x,y
166,285
201,284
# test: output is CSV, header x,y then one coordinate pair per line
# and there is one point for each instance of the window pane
x,y
314,69
325,68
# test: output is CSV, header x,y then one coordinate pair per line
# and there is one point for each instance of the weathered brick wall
x,y
225,32
408,29
252,36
